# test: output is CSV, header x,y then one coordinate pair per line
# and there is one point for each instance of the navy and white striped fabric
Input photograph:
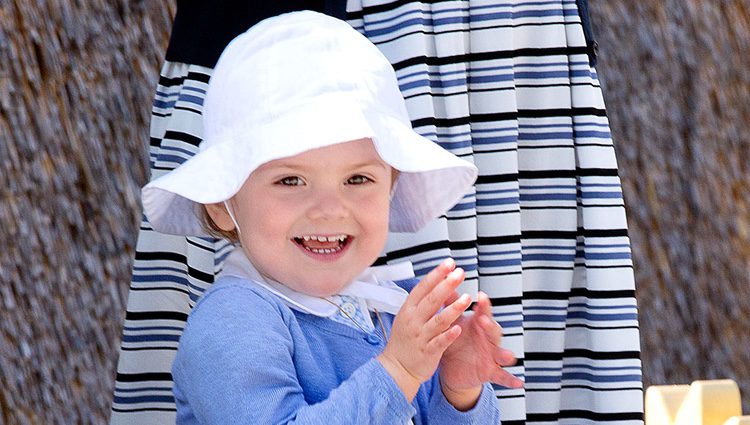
x,y
169,272
510,86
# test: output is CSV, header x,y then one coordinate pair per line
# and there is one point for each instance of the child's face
x,y
316,220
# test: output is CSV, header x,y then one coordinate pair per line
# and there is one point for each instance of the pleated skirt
x,y
511,87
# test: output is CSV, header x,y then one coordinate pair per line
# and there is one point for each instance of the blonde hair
x,y
213,229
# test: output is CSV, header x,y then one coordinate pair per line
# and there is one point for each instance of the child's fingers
x,y
432,279
502,377
435,299
504,357
451,299
443,320
483,306
444,340
489,328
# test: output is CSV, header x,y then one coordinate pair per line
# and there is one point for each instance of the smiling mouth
x,y
323,244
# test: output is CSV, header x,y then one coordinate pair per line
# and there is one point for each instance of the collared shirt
x,y
372,291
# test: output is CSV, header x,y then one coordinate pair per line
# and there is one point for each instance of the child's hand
x,y
475,357
419,336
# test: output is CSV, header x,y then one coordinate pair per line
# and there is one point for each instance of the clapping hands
x,y
466,347
476,357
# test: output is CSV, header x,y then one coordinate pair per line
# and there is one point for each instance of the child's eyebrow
x,y
372,163
304,166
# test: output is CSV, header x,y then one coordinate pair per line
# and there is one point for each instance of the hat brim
x,y
431,180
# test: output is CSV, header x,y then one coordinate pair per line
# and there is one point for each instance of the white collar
x,y
374,285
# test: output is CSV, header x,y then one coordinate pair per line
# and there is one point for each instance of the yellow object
x,y
738,420
709,403
663,402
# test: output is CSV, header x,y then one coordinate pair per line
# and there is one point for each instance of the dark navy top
x,y
202,28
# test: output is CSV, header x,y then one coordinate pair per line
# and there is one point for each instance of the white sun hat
x,y
293,83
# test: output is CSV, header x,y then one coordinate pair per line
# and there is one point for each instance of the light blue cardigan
x,y
247,358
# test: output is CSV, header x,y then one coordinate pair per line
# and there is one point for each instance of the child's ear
x,y
220,216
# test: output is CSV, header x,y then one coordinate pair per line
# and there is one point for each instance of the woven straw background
x,y
76,82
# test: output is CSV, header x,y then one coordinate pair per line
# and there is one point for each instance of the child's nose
x,y
329,205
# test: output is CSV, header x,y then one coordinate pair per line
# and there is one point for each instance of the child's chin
x,y
325,288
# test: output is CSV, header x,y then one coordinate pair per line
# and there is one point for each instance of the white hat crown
x,y
294,64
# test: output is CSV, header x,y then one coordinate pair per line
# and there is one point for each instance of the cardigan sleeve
x,y
440,411
235,365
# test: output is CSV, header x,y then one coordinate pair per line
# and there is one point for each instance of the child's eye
x,y
359,179
291,181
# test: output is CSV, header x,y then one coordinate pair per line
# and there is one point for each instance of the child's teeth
x,y
323,250
336,238
325,238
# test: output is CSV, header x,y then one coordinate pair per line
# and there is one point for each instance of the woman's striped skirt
x,y
510,86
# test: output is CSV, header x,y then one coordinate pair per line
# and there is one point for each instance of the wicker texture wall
x,y
676,79
76,81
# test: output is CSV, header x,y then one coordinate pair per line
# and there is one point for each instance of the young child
x,y
308,160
